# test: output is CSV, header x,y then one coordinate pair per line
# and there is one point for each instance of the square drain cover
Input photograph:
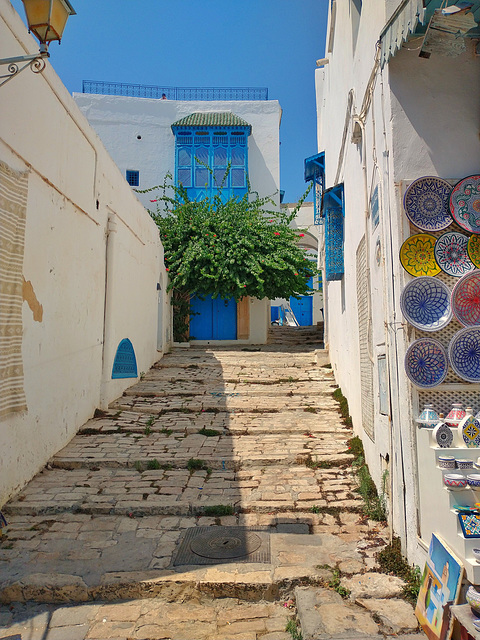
x,y
218,545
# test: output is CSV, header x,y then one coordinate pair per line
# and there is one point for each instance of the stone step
x,y
184,492
120,558
222,451
206,619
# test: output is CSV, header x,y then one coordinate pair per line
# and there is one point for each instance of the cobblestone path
x,y
120,536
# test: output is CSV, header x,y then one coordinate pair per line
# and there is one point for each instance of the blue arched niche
x,y
125,363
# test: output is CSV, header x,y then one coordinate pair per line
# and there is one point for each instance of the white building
x,y
82,282
151,137
389,115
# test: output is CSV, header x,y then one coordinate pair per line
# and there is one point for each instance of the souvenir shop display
x,y
417,255
465,203
426,203
466,299
425,303
451,254
464,354
426,362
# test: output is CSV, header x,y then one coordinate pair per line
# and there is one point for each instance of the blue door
x,y
303,308
213,319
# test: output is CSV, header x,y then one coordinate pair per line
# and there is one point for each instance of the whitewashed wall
x,y
77,275
119,121
420,122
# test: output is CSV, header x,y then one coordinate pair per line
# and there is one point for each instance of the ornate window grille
x,y
333,208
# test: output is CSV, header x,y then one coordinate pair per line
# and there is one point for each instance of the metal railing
x,y
174,93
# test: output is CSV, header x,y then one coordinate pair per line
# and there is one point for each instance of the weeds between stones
x,y
194,464
219,510
166,431
391,561
209,433
150,421
292,629
148,430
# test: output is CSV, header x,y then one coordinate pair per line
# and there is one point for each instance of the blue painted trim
x,y
125,363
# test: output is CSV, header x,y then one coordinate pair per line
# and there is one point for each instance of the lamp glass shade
x,y
47,18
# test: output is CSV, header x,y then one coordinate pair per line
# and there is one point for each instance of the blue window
x,y
133,178
334,214
212,159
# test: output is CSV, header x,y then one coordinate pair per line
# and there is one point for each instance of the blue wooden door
x,y
213,319
303,308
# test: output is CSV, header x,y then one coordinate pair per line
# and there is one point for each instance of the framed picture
x,y
470,523
439,590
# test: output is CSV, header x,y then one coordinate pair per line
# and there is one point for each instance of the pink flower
x,y
270,220
167,269
301,235
153,200
276,233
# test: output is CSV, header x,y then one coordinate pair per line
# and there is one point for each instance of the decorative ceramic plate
x,y
426,363
417,255
473,249
464,354
425,303
426,203
469,430
465,203
470,524
466,299
451,254
443,436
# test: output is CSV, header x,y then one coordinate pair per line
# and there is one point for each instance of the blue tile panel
x,y
125,363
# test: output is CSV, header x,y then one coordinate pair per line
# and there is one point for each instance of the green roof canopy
x,y
212,119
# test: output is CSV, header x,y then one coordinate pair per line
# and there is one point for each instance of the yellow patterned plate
x,y
417,255
473,250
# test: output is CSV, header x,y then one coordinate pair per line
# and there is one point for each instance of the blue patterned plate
x,y
464,354
426,363
465,203
451,254
426,203
425,303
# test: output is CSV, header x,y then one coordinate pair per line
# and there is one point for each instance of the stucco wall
x,y
120,121
74,187
420,121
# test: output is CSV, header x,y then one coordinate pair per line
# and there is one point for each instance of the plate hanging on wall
x,y
465,203
417,255
425,303
426,203
473,249
464,354
426,363
451,254
466,299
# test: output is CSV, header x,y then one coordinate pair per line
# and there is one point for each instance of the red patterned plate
x,y
465,203
466,299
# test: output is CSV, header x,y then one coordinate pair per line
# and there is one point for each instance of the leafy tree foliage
x,y
230,248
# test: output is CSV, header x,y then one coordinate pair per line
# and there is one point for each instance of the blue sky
x,y
220,43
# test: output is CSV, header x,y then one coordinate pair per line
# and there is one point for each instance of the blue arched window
x,y
206,145
125,363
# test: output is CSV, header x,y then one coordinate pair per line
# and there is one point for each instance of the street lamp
x,y
46,20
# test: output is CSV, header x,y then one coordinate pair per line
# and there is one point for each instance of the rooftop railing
x,y
174,93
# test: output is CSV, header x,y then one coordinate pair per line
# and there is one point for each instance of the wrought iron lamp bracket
x,y
17,64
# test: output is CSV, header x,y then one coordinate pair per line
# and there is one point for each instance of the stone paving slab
x,y
125,448
103,521
179,492
114,557
144,619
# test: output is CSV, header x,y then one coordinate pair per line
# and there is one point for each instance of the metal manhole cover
x,y
216,545
225,545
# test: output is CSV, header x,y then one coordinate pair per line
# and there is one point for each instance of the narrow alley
x,y
214,500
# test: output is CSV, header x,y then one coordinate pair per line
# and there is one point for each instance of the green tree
x,y
232,248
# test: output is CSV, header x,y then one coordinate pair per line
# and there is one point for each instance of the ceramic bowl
x,y
454,481
473,481
473,598
476,554
446,462
464,464
476,623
